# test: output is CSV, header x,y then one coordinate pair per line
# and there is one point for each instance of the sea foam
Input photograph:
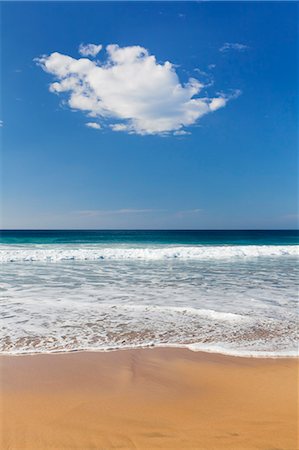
x,y
239,300
46,253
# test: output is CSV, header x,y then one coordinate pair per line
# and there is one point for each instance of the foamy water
x,y
234,299
14,253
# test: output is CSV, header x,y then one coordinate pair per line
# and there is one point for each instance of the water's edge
x,y
192,347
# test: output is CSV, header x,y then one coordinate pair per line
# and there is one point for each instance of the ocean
x,y
230,292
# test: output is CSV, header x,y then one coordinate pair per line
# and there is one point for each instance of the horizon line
x,y
149,229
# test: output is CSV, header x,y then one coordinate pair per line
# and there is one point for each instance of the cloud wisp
x,y
114,212
133,211
129,91
94,125
90,49
233,46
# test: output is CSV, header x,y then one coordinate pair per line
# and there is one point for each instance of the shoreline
x,y
189,347
154,347
148,398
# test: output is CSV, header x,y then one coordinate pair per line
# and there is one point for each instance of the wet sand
x,y
148,399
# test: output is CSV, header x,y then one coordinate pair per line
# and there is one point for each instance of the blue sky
x,y
159,159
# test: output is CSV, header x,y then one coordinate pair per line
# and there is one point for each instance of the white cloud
x,y
130,91
94,125
1,123
112,212
90,49
181,133
233,46
120,127
217,103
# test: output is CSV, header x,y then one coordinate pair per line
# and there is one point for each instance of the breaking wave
x,y
44,253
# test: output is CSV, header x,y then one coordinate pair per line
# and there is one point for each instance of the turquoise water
x,y
196,237
233,292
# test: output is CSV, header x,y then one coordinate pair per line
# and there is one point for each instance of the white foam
x,y
46,253
217,349
242,305
56,328
245,353
205,313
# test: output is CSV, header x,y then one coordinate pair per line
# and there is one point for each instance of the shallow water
x,y
118,292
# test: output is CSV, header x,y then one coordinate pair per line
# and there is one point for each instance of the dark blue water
x,y
180,237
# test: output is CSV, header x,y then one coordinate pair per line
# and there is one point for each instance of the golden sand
x,y
148,399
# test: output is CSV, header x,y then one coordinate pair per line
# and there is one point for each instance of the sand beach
x,y
147,399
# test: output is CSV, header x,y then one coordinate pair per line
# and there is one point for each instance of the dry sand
x,y
148,399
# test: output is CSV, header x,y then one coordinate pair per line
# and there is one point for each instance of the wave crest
x,y
46,253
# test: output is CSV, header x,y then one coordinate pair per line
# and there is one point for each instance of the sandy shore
x,y
147,399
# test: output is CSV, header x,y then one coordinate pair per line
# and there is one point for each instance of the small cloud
x,y
211,66
207,77
233,46
90,49
94,125
235,94
201,72
130,91
119,127
181,133
1,123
